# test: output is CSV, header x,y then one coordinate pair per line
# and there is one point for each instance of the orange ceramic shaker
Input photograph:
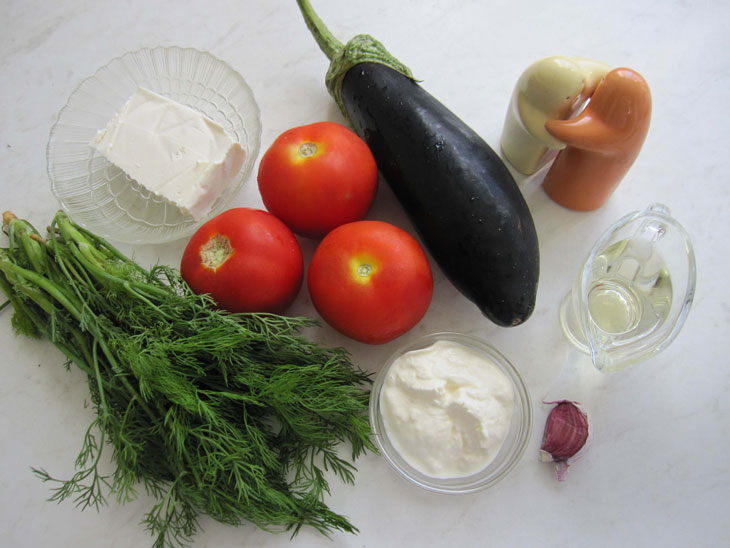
x,y
602,142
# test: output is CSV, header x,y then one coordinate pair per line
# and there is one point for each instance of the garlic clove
x,y
567,433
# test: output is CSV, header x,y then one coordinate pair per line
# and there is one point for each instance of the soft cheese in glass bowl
x,y
450,413
154,144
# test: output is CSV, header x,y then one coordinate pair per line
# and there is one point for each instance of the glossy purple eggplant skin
x,y
462,199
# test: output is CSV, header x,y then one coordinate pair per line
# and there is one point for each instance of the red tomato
x,y
317,177
370,280
247,259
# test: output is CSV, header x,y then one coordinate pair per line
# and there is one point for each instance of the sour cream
x,y
446,409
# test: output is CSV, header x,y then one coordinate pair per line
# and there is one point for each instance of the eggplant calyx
x,y
363,48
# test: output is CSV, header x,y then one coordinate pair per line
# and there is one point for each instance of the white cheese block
x,y
172,150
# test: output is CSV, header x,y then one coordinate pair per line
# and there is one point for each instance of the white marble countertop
x,y
657,473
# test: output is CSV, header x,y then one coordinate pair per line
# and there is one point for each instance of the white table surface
x,y
657,473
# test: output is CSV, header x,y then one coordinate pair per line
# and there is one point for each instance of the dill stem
x,y
81,343
48,286
121,374
97,376
38,297
82,363
33,249
132,286
70,233
94,260
81,235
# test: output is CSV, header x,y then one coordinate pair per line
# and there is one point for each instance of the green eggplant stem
x,y
326,41
363,48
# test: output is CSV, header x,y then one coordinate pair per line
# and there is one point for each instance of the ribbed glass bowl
x,y
511,450
102,198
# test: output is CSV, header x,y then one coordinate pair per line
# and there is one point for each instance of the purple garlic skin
x,y
566,436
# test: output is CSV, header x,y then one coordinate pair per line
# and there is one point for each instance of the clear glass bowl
x,y
98,195
509,454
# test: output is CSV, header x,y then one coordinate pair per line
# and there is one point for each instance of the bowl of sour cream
x,y
450,413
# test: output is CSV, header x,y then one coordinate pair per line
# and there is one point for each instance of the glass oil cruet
x,y
633,292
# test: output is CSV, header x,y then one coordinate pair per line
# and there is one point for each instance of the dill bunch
x,y
237,416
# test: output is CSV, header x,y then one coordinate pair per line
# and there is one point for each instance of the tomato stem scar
x,y
307,149
215,252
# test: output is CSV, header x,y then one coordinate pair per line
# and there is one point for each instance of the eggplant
x,y
461,198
